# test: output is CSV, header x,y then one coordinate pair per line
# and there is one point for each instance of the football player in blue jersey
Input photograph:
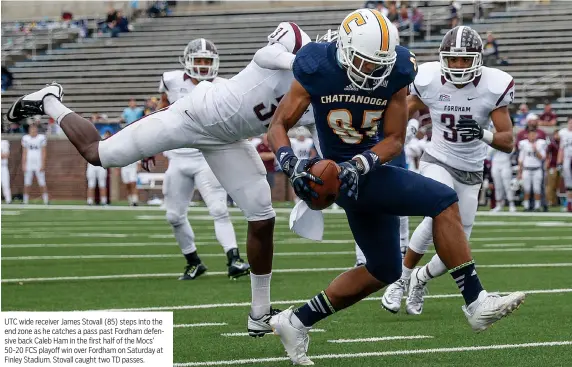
x,y
355,85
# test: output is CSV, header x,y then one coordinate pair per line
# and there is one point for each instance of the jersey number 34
x,y
341,122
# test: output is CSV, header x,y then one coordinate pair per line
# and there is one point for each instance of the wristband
x,y
487,137
369,160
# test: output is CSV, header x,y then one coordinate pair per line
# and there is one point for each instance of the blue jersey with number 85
x,y
347,118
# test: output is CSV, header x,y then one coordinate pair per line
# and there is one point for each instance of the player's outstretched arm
x,y
289,111
503,138
394,127
274,57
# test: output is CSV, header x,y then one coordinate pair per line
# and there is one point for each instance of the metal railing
x,y
533,85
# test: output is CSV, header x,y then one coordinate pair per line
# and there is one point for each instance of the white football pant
x,y
502,175
6,184
236,165
468,203
129,173
567,172
96,174
532,178
29,176
181,178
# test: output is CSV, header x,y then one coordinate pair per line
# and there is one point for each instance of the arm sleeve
x,y
274,57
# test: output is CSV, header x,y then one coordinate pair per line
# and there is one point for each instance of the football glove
x,y
349,178
148,163
469,128
297,171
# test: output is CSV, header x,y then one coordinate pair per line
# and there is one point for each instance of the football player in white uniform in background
x,y
96,175
501,172
217,119
6,172
129,179
188,169
532,153
565,159
462,96
34,162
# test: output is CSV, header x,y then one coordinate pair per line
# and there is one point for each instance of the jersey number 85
x,y
341,122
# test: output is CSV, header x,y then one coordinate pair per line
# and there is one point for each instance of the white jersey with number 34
x,y
448,104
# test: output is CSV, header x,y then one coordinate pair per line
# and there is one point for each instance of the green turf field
x,y
78,259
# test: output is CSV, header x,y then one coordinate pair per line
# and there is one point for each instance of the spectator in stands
x,y
150,106
553,182
268,159
16,128
371,4
7,78
392,14
548,117
158,9
404,17
520,117
491,51
381,8
417,19
454,9
131,113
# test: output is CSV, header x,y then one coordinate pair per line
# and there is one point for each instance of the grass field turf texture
x,y
59,258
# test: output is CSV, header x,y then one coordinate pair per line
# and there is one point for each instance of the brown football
x,y
328,171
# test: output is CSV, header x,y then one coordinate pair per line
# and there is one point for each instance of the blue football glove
x,y
470,129
350,171
349,177
297,171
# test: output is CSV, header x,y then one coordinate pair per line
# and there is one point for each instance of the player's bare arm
x,y
394,127
503,139
289,111
414,104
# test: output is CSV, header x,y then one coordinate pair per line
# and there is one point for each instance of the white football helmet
x,y
290,36
200,48
367,36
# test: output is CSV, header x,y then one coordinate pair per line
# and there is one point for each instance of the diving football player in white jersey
x,y
564,159
188,169
216,118
462,96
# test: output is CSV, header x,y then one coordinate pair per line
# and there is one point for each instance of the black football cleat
x,y
33,104
192,272
236,266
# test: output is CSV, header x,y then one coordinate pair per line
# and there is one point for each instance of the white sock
x,y
103,200
525,204
260,287
89,201
536,204
45,197
405,272
224,232
432,269
185,236
134,198
26,198
55,109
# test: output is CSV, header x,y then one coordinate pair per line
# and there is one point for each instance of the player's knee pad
x,y
175,219
422,236
255,200
218,210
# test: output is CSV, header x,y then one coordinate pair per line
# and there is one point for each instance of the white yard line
x,y
246,334
202,324
381,354
236,210
214,273
292,302
380,339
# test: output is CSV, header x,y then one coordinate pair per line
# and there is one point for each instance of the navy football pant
x,y
385,194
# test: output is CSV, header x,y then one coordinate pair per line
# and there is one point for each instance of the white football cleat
x,y
491,307
512,208
391,299
295,340
417,290
261,326
496,209
33,103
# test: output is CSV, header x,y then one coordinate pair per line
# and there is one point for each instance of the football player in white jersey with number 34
x,y
462,96
189,169
216,118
